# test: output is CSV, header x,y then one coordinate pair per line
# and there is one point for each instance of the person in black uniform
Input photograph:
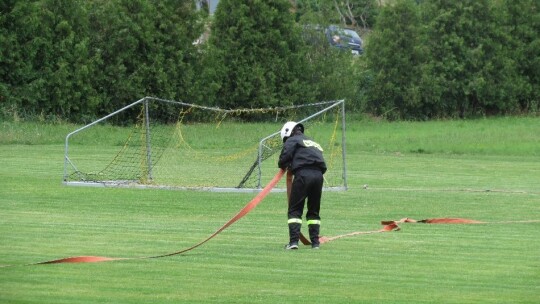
x,y
304,158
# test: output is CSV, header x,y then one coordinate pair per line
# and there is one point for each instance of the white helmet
x,y
287,129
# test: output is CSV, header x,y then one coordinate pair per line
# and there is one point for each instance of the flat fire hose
x,y
252,204
392,225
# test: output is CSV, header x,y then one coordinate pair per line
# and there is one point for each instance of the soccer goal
x,y
154,142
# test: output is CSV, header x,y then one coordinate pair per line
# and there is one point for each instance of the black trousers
x,y
307,184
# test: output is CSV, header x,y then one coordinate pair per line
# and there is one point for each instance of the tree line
x,y
78,60
467,58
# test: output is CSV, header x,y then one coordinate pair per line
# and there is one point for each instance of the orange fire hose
x,y
392,225
252,204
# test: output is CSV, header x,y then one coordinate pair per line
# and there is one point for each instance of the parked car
x,y
345,39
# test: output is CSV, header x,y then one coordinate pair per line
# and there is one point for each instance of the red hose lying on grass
x,y
393,226
387,227
252,204
444,220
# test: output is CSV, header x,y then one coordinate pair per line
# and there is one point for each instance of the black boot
x,y
314,235
294,235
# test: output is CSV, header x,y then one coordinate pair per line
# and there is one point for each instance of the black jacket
x,y
300,151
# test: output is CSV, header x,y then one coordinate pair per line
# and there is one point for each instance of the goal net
x,y
162,143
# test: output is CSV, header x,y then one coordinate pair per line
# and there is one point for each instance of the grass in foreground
x,y
486,263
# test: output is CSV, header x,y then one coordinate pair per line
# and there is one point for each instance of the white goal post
x,y
168,144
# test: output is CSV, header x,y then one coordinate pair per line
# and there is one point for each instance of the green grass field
x,y
486,169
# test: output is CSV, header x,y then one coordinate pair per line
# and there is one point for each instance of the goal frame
x,y
261,147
